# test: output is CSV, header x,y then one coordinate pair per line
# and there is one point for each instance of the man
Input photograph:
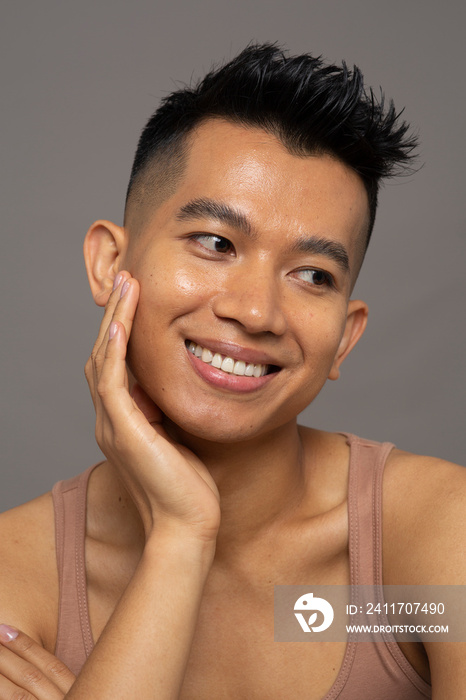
x,y
227,291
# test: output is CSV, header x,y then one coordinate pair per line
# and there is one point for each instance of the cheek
x,y
321,333
168,292
185,284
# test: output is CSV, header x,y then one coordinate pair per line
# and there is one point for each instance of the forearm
x,y
144,648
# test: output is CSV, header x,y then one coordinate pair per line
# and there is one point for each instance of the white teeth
x,y
227,364
216,360
207,355
239,368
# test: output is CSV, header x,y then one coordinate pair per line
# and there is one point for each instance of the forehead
x,y
279,193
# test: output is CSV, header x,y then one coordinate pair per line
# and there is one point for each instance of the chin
x,y
209,427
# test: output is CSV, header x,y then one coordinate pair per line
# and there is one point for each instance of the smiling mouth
x,y
229,365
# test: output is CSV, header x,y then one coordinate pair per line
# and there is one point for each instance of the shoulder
x,y
424,541
424,506
29,580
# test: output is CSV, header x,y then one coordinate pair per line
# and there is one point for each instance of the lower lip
x,y
223,380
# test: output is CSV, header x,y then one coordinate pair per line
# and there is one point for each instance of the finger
x,y
123,312
27,665
121,410
112,302
121,307
89,369
124,430
113,375
9,690
126,304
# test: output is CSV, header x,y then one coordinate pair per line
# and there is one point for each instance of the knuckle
x,y
94,362
32,676
102,388
88,368
24,643
21,695
57,669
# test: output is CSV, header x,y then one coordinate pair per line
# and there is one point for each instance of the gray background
x,y
78,82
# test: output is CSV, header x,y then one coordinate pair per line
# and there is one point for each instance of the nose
x,y
252,299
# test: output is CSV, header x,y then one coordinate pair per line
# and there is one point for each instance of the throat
x,y
261,483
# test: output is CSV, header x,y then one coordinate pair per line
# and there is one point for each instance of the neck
x,y
260,481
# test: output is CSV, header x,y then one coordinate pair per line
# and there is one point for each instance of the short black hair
x,y
311,107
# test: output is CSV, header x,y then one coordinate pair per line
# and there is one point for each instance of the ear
x,y
356,321
104,246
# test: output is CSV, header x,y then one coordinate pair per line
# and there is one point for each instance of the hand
x,y
171,487
28,671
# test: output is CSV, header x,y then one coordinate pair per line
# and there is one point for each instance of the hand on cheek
x,y
169,485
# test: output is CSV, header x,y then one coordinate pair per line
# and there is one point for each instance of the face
x,y
245,275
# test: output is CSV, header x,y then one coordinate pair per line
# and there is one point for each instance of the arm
x,y
144,649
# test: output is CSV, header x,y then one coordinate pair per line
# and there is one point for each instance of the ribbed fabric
x,y
370,671
74,638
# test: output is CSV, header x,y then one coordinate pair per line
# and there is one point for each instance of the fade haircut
x,y
313,108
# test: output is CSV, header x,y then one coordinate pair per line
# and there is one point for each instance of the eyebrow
x,y
205,208
219,211
323,246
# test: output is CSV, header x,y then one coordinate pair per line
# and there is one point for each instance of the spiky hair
x,y
312,107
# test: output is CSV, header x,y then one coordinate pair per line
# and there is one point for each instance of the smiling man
x,y
227,296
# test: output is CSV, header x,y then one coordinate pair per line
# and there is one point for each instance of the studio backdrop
x,y
79,80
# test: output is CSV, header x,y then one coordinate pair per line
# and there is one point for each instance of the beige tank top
x,y
376,671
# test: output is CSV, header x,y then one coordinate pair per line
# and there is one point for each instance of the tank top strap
x,y
367,462
74,636
378,669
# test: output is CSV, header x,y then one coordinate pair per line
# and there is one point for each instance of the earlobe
x,y
104,246
356,322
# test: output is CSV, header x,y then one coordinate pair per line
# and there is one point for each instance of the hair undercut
x,y
313,108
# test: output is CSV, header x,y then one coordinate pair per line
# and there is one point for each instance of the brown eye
x,y
318,278
217,244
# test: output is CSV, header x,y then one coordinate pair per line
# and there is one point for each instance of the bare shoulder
x,y
29,580
424,508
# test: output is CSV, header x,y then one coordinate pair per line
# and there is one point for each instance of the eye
x,y
316,277
217,244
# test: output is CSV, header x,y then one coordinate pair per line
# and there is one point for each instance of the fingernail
x,y
7,634
124,289
117,280
112,330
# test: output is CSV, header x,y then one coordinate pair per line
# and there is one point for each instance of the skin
x,y
187,456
